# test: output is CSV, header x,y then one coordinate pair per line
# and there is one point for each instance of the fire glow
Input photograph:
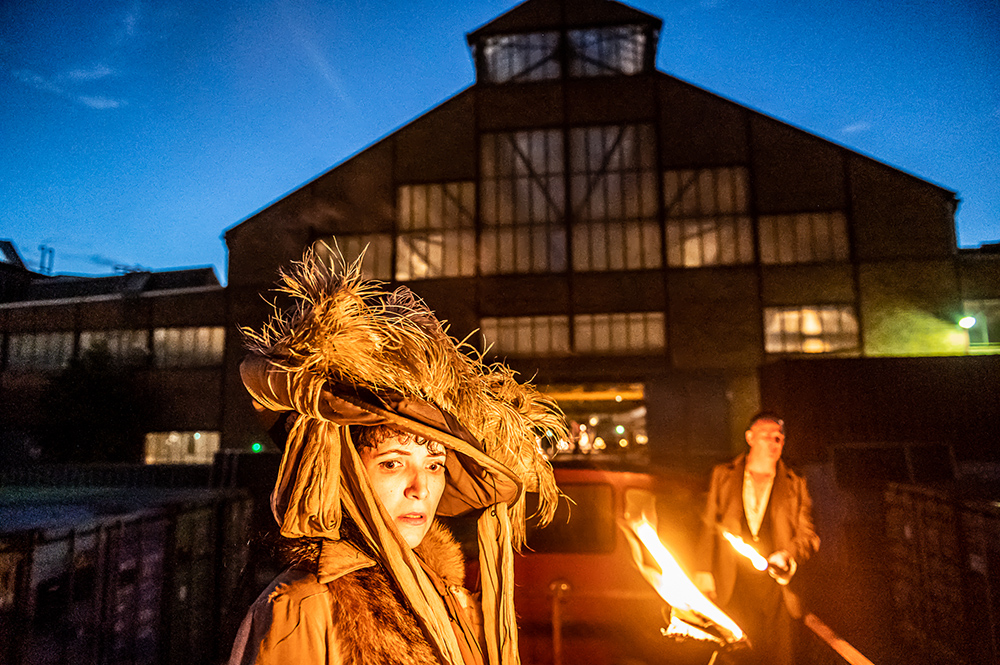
x,y
689,606
759,562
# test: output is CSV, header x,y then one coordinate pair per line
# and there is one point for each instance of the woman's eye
x,y
390,464
435,466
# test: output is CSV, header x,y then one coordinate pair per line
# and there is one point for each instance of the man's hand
x,y
781,566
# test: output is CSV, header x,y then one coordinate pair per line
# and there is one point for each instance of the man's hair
x,y
766,416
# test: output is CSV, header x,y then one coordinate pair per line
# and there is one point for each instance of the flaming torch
x,y
692,615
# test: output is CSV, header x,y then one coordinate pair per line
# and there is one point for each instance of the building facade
x,y
164,331
639,246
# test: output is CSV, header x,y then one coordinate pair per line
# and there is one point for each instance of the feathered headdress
x,y
351,353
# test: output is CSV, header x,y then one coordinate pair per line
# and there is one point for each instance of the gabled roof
x,y
537,15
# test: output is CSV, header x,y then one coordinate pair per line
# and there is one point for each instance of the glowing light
x,y
623,443
641,439
618,398
620,429
759,562
599,444
813,345
256,447
674,586
583,428
197,435
593,421
967,322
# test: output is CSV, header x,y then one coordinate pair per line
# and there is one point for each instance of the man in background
x,y
759,499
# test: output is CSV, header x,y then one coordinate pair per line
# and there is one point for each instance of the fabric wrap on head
x,y
349,354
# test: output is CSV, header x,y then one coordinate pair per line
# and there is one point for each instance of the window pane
x,y
528,57
803,238
634,332
703,202
608,51
613,193
816,329
522,187
526,335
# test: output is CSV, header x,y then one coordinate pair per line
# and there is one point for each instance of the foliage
x,y
93,411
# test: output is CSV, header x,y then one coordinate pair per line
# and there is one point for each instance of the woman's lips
x,y
413,519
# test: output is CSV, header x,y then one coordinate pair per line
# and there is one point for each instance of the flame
x,y
759,562
688,604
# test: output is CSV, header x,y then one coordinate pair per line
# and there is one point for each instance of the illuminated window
x,y
181,447
377,248
528,57
522,203
614,198
632,332
188,347
131,345
985,332
47,350
707,220
607,51
437,236
527,335
803,238
817,329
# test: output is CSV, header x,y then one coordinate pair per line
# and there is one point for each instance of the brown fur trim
x,y
442,554
373,625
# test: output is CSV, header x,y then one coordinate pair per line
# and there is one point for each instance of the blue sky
x,y
134,133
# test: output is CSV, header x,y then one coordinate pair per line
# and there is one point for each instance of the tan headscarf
x,y
349,353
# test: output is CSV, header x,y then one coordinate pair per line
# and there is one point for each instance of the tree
x,y
93,411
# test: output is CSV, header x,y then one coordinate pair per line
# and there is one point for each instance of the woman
x,y
388,424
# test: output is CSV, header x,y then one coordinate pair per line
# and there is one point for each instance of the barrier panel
x,y
118,576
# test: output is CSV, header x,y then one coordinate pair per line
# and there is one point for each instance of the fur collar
x,y
374,624
442,554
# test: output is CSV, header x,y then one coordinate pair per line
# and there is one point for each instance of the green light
x,y
967,322
256,447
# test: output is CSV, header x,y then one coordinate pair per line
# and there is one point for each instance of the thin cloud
x,y
99,102
51,86
94,73
856,128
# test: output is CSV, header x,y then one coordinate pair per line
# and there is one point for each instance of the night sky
x,y
134,133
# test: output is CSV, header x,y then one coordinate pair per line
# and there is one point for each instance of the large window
x,y
527,335
437,236
522,203
45,350
377,249
124,345
618,50
528,57
614,198
188,347
610,334
181,447
707,217
594,334
810,329
803,238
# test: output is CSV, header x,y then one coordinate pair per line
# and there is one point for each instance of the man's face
x,y
766,440
408,478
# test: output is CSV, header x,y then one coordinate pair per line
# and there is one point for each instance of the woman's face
x,y
408,478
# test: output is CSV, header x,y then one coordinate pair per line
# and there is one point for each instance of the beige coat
x,y
790,507
358,618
